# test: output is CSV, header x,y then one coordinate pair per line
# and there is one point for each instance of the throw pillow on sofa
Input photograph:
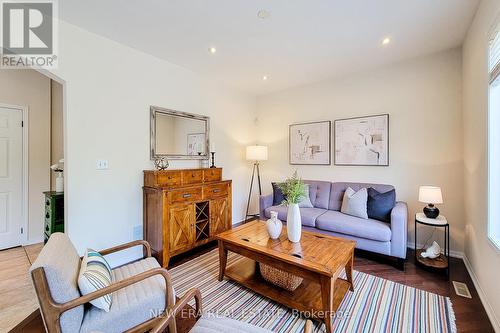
x,y
305,201
355,203
278,195
380,205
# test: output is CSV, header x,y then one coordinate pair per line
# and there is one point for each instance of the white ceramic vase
x,y
293,223
60,182
274,225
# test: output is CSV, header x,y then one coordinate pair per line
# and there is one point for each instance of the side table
x,y
443,261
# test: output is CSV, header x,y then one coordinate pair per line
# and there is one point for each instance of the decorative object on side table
x,y
362,141
430,195
58,168
274,225
256,154
310,143
423,257
161,163
294,190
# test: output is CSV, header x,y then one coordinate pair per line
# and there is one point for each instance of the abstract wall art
x,y
310,143
362,141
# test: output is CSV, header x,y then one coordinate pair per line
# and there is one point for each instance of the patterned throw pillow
x,y
355,203
95,274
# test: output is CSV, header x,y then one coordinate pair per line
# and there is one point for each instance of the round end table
x,y
443,261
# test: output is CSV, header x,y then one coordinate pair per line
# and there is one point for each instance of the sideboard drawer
x,y
170,178
212,175
192,177
185,195
215,191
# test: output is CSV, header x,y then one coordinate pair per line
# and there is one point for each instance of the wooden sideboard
x,y
184,209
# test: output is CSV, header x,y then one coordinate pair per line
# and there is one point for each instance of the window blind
x,y
494,65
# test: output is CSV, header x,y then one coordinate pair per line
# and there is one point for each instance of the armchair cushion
x,y
61,264
131,305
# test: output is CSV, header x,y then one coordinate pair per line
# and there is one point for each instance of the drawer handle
x,y
47,228
186,195
169,177
192,175
48,203
47,215
216,190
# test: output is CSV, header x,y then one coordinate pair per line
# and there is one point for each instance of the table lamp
x,y
256,154
430,195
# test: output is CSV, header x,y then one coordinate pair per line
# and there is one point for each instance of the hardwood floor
x,y
17,297
470,313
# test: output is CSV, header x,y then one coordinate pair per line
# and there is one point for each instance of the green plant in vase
x,y
294,190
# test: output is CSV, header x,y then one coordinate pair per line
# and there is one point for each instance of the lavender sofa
x,y
370,235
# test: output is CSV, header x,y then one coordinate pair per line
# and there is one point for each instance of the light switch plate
x,y
102,165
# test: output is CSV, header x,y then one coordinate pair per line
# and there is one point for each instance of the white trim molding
x,y
482,295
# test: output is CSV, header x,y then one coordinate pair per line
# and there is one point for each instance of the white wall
x,y
109,89
31,89
423,98
482,257
56,127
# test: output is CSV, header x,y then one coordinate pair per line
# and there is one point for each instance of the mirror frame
x,y
154,110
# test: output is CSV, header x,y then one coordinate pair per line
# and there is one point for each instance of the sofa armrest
x,y
399,229
265,201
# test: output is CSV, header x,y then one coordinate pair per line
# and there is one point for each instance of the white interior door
x,y
11,177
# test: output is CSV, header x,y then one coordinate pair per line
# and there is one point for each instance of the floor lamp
x,y
255,154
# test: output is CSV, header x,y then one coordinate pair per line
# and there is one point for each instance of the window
x,y
494,139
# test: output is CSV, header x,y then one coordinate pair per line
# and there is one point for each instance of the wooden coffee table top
x,y
316,252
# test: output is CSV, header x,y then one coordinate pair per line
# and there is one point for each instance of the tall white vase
x,y
293,223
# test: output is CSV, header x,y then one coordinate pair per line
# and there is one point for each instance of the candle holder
x,y
213,160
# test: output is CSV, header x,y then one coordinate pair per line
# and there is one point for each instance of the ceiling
x,y
302,41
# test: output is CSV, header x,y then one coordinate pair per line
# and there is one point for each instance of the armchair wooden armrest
x,y
145,244
169,320
52,311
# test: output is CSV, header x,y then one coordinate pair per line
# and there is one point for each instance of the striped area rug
x,y
377,305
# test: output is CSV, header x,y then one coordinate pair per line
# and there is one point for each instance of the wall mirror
x,y
178,135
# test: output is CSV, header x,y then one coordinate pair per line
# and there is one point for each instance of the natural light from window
x,y
494,140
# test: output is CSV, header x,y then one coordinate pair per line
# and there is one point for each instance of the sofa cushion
x,y
319,193
338,189
354,203
380,205
308,215
61,264
131,305
349,225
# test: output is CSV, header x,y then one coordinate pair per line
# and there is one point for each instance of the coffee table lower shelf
x,y
306,298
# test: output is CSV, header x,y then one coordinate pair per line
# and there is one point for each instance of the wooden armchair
x,y
142,289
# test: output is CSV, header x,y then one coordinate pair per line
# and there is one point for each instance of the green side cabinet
x,y
54,213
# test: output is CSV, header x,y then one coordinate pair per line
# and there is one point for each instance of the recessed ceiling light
x,y
263,14
264,78
386,41
212,49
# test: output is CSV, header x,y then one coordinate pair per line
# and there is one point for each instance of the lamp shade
x,y
430,195
257,153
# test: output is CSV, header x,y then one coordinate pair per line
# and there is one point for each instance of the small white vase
x,y
293,223
274,225
60,182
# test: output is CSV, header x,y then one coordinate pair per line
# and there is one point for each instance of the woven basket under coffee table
x,y
317,259
280,278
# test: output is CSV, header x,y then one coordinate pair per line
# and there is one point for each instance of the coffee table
x,y
318,258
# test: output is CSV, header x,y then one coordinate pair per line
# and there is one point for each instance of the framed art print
x,y
310,143
362,141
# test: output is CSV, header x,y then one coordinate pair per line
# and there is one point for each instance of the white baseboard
x,y
454,254
482,295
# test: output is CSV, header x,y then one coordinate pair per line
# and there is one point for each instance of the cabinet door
x,y
181,223
219,216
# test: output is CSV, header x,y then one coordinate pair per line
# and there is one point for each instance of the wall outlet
x,y
102,165
137,232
